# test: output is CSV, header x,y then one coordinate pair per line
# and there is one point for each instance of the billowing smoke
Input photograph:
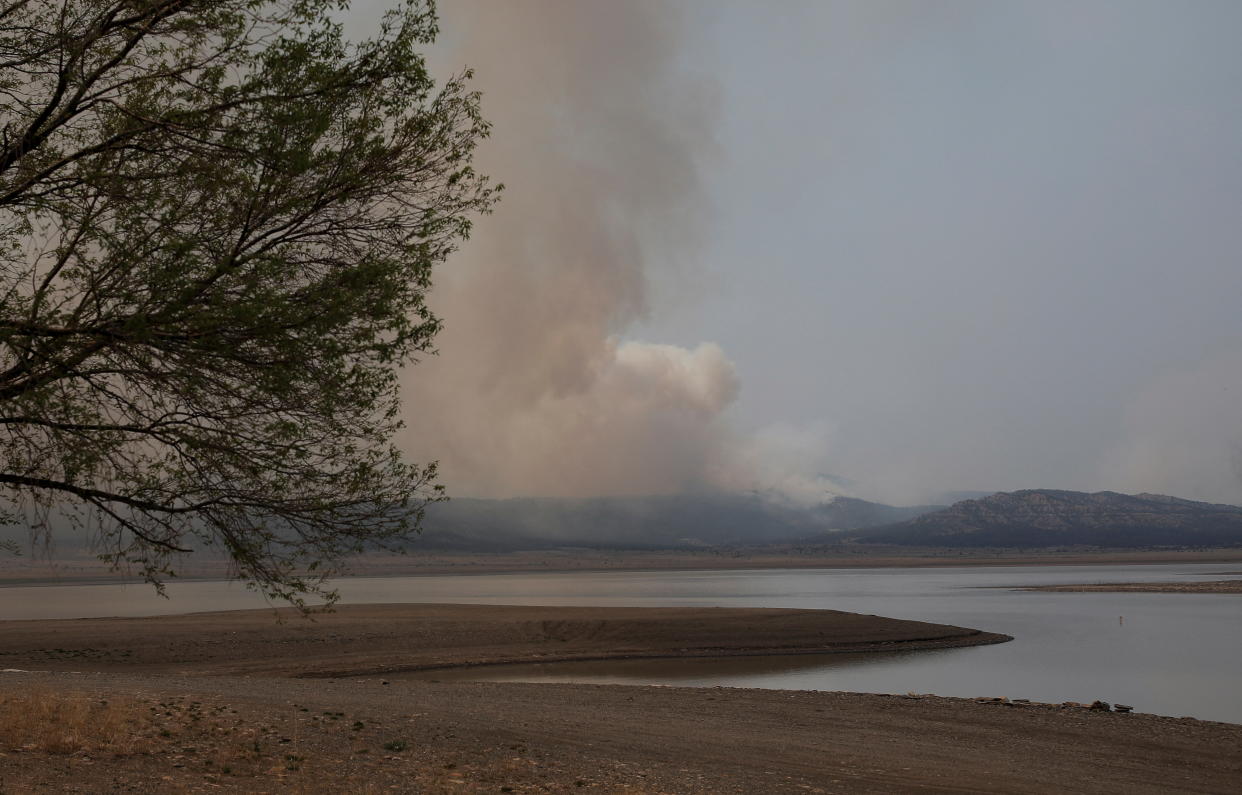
x,y
597,136
786,461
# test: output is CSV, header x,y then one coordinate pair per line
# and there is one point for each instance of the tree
x,y
218,220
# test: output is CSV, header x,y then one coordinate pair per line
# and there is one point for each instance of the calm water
x,y
1175,654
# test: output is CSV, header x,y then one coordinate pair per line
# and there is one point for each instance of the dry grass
x,y
64,723
50,738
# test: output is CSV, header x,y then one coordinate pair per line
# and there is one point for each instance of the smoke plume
x,y
598,131
1182,434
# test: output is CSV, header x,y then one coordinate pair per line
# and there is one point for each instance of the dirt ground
x,y
221,702
362,735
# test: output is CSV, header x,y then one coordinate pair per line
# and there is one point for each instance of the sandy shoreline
x,y
749,558
372,639
86,570
1215,586
253,735
226,705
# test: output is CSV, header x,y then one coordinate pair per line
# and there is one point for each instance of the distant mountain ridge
x,y
1033,518
681,521
1051,517
643,522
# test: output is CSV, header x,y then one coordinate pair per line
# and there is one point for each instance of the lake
x,y
1173,654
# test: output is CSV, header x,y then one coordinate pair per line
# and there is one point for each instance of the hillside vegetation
x,y
1048,517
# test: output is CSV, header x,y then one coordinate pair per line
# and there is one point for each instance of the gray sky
x,y
983,241
917,246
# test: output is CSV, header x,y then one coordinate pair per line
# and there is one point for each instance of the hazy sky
x,y
918,246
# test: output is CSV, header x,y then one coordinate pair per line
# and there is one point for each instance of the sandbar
x,y
373,639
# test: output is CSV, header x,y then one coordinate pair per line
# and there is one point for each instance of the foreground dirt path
x,y
350,735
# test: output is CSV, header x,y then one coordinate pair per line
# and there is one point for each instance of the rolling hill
x,y
643,522
1047,517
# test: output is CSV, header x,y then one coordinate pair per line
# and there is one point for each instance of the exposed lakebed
x,y
1174,654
